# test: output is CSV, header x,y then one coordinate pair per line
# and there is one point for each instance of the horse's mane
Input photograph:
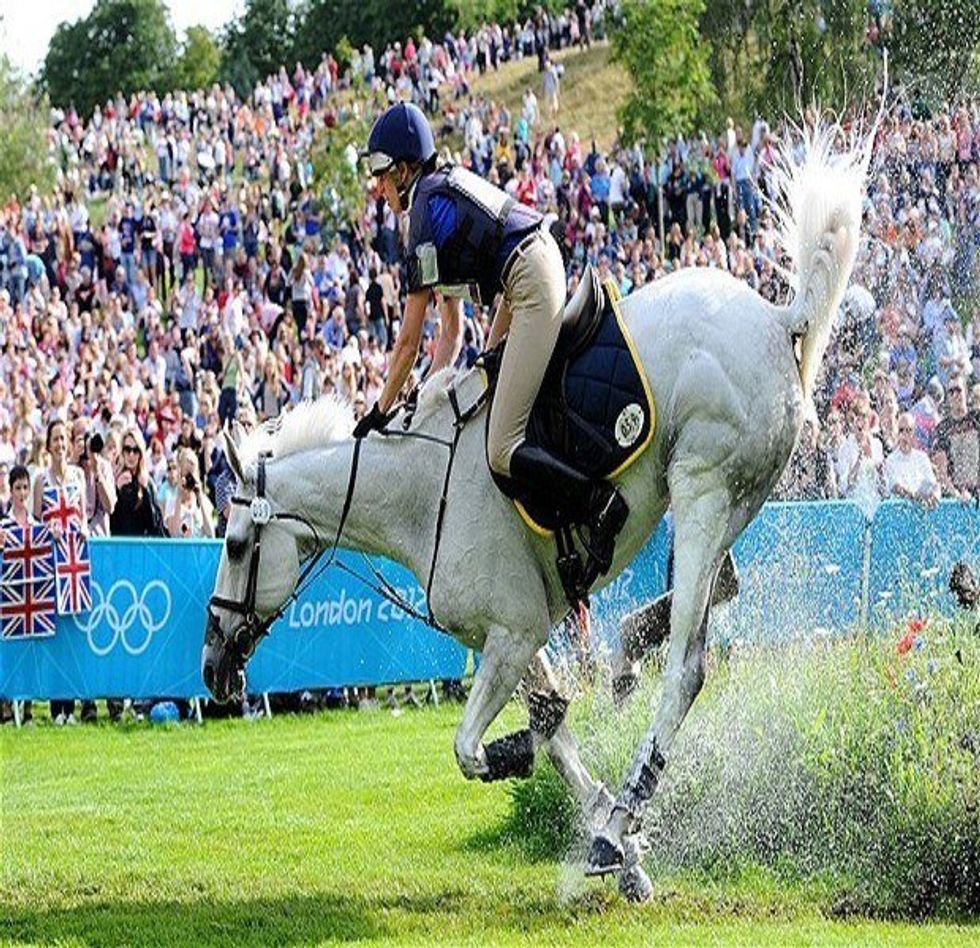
x,y
434,393
433,400
310,424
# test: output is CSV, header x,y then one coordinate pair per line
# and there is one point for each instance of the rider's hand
x,y
374,420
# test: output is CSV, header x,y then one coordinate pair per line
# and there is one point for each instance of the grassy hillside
x,y
592,88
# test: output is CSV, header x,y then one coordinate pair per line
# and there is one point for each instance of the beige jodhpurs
x,y
535,295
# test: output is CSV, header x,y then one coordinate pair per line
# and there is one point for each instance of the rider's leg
x,y
536,300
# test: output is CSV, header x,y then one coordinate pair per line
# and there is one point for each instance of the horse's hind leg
x,y
546,711
703,521
646,628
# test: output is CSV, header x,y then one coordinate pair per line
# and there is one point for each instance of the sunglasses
x,y
130,449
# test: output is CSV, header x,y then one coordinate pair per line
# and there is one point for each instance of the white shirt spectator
x,y
617,185
863,488
743,164
911,470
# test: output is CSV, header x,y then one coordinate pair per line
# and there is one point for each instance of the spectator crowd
x,y
185,274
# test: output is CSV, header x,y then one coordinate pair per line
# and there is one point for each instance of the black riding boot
x,y
580,498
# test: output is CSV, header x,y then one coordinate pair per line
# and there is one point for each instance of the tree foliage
x,y
24,156
121,46
933,46
770,56
659,44
321,23
199,61
338,177
258,43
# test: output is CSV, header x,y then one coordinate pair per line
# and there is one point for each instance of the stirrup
x,y
600,555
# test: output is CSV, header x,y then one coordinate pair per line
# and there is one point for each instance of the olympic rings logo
x,y
152,609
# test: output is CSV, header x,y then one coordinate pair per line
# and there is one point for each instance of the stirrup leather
x,y
571,571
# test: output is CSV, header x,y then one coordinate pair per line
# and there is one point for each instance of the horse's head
x,y
259,568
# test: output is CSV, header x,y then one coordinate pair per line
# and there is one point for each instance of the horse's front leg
x,y
505,658
546,719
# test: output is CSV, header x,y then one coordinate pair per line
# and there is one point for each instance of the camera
x,y
93,445
190,482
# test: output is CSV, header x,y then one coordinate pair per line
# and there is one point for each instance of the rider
x,y
469,239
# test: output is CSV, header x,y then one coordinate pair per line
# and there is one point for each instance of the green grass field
x,y
334,828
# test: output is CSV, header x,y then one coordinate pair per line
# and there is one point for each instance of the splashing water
x,y
838,759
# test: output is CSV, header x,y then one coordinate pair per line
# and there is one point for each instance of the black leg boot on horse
x,y
594,503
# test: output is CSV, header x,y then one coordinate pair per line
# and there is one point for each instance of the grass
x,y
328,829
592,88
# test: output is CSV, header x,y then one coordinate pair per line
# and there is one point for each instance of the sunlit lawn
x,y
331,828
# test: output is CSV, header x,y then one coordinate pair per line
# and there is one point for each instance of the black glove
x,y
374,420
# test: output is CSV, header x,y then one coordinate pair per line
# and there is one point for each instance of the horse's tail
x,y
818,214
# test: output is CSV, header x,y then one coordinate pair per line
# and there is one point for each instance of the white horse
x,y
730,374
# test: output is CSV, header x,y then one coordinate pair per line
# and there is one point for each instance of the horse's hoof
x,y
635,885
605,856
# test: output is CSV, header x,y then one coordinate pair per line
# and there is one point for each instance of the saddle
x,y
594,410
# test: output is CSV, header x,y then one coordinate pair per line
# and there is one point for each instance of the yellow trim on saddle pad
x,y
531,522
615,297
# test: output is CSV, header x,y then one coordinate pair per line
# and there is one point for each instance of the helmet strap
x,y
404,191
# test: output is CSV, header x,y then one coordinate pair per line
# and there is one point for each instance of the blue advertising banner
x,y
143,636
800,568
640,583
804,569
912,553
342,633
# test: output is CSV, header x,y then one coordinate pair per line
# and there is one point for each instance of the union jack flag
x,y
62,504
27,610
28,555
73,574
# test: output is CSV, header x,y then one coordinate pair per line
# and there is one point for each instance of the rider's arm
x,y
406,348
451,334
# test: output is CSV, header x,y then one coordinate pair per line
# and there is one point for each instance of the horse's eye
x,y
235,548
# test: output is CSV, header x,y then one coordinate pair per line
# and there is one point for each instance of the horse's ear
x,y
231,450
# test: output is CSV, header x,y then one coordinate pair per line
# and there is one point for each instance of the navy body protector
x,y
488,224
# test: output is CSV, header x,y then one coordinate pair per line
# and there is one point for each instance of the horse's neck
x,y
394,501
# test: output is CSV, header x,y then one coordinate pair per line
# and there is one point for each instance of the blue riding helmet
x,y
402,133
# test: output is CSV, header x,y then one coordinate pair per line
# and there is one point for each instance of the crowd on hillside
x,y
184,273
